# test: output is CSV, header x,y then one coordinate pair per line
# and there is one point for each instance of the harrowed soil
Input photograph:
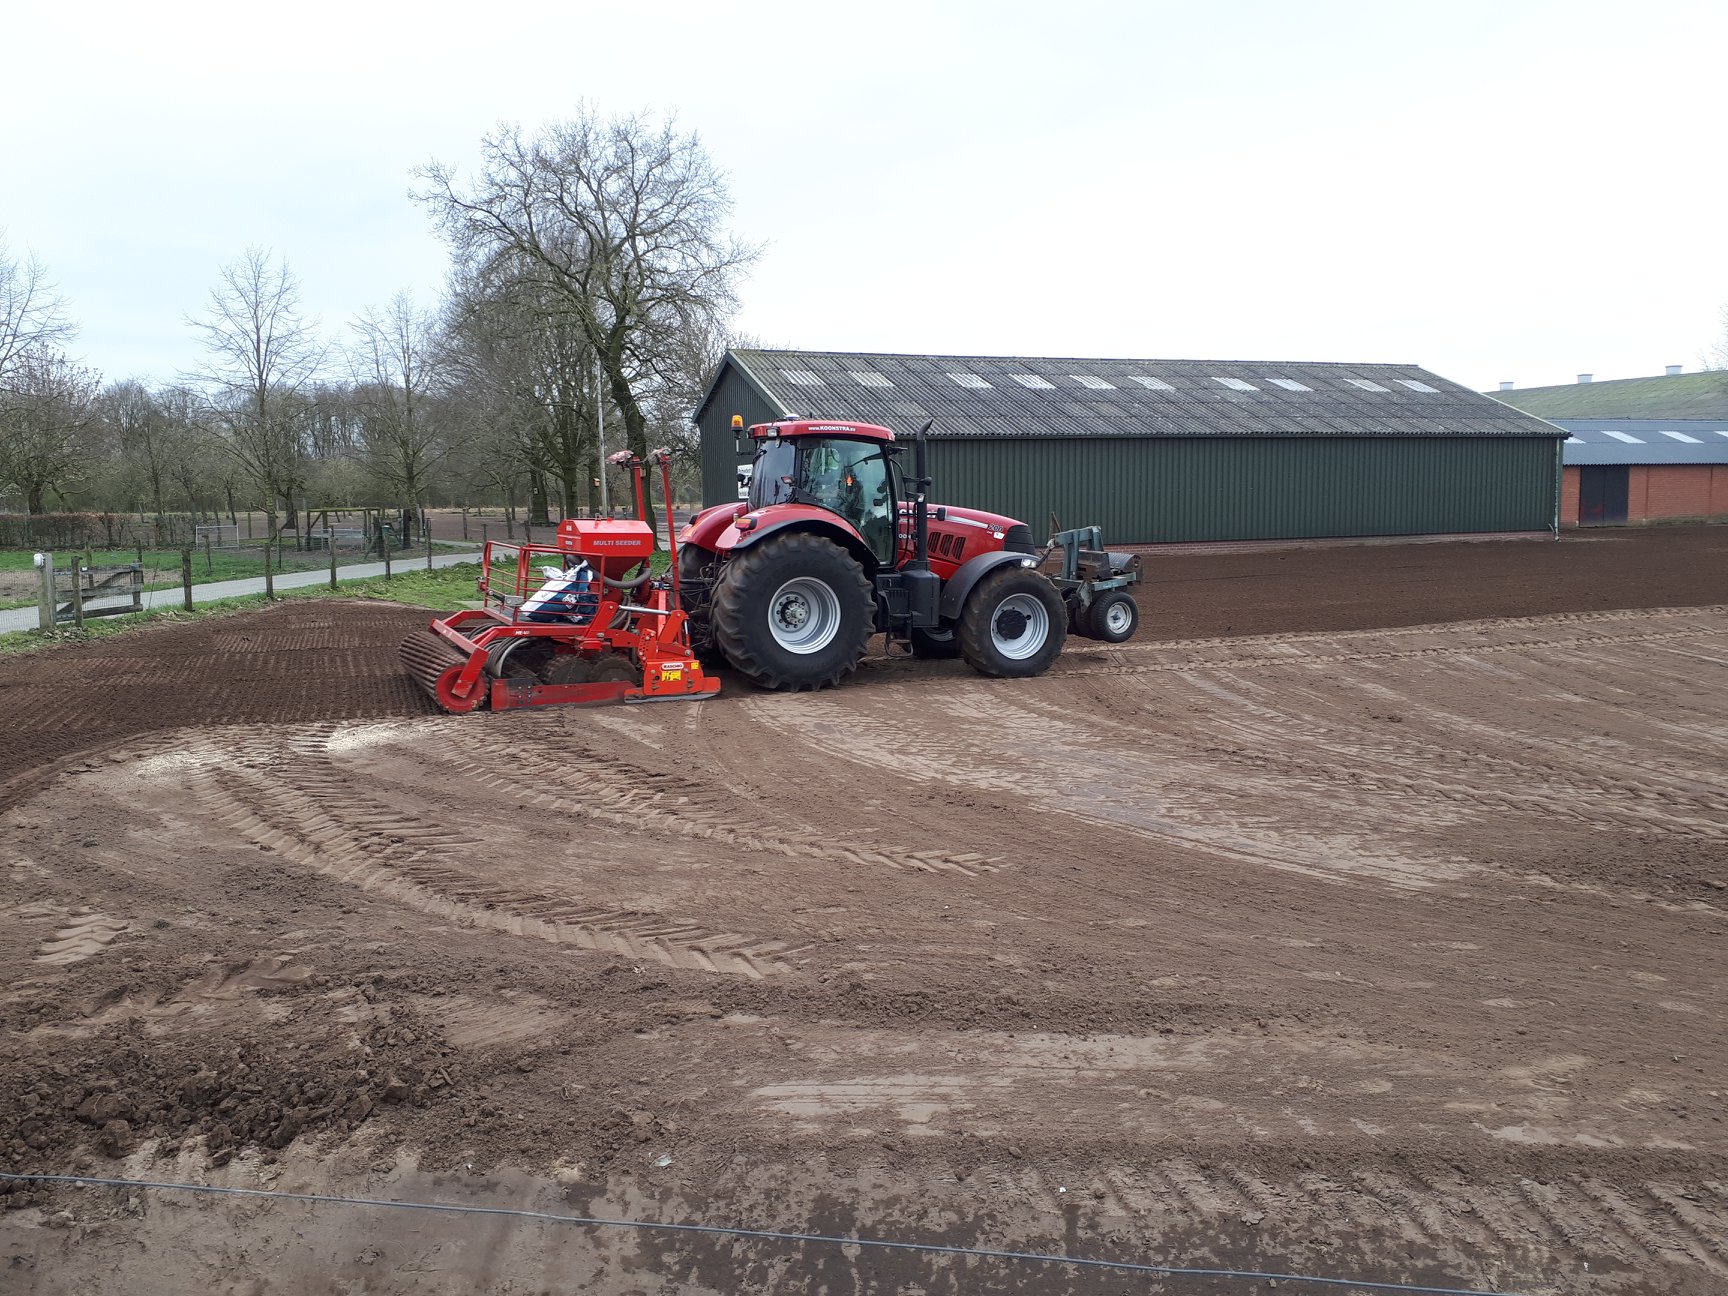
x,y
1364,915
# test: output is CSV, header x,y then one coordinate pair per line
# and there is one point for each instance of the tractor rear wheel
x,y
1013,625
793,611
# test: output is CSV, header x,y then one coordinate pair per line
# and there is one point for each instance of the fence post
x,y
209,557
77,592
384,539
427,531
464,521
186,577
49,605
330,539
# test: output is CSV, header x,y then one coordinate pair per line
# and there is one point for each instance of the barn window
x,y
802,377
868,379
1365,385
1681,436
1413,385
1033,381
1095,383
1623,436
972,381
1289,384
1235,384
1150,384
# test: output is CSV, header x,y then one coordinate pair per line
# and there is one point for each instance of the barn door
x,y
1602,492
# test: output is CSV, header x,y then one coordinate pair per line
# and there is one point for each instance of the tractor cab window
x,y
774,478
851,478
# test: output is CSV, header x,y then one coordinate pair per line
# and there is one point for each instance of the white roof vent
x,y
1413,385
1365,385
1033,381
1150,384
1235,384
1093,381
869,379
1674,370
1584,378
972,381
1505,386
1289,384
802,377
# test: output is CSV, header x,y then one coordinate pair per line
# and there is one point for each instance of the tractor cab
x,y
846,468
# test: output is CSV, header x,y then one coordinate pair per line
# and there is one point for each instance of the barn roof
x,y
1671,396
1644,441
1025,396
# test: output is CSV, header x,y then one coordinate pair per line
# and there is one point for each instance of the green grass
x,y
162,566
443,589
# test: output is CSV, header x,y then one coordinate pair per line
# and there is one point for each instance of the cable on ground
x,y
766,1235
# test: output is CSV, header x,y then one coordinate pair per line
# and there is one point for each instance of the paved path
x,y
29,618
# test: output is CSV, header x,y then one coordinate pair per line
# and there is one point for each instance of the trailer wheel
x,y
1013,625
793,611
939,644
1113,617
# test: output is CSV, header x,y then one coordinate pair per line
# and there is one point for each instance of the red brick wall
x,y
1569,496
1659,491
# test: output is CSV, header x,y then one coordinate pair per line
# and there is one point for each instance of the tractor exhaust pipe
x,y
920,498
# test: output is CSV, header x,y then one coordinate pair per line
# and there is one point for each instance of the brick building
x,y
1638,449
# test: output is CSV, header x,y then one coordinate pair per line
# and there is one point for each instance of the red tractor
x,y
834,543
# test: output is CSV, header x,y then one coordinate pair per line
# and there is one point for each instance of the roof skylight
x,y
1093,381
972,381
1033,381
1413,385
1682,436
1150,384
1289,384
1722,432
1627,437
1235,384
869,379
1365,385
802,377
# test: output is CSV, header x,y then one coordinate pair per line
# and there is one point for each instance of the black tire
x,y
793,611
935,645
568,668
696,567
1013,625
1113,617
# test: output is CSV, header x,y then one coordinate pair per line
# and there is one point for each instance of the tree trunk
x,y
33,498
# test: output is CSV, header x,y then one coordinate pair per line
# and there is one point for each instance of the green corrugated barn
x,y
1169,450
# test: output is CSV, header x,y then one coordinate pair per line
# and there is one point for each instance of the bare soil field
x,y
1363,916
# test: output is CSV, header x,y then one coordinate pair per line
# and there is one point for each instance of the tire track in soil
x,y
301,805
622,793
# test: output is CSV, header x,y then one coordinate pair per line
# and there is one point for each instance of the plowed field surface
x,y
1393,950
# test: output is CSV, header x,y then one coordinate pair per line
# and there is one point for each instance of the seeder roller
x,y
582,621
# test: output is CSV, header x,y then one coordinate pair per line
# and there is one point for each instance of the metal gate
x,y
1602,494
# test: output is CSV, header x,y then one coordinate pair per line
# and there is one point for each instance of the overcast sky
x,y
1494,190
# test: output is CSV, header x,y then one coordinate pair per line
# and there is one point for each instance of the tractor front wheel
x,y
793,611
1013,625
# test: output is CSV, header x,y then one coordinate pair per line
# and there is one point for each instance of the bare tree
x,y
262,355
47,416
402,438
618,223
32,315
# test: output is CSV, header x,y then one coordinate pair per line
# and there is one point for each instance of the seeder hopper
x,y
583,621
